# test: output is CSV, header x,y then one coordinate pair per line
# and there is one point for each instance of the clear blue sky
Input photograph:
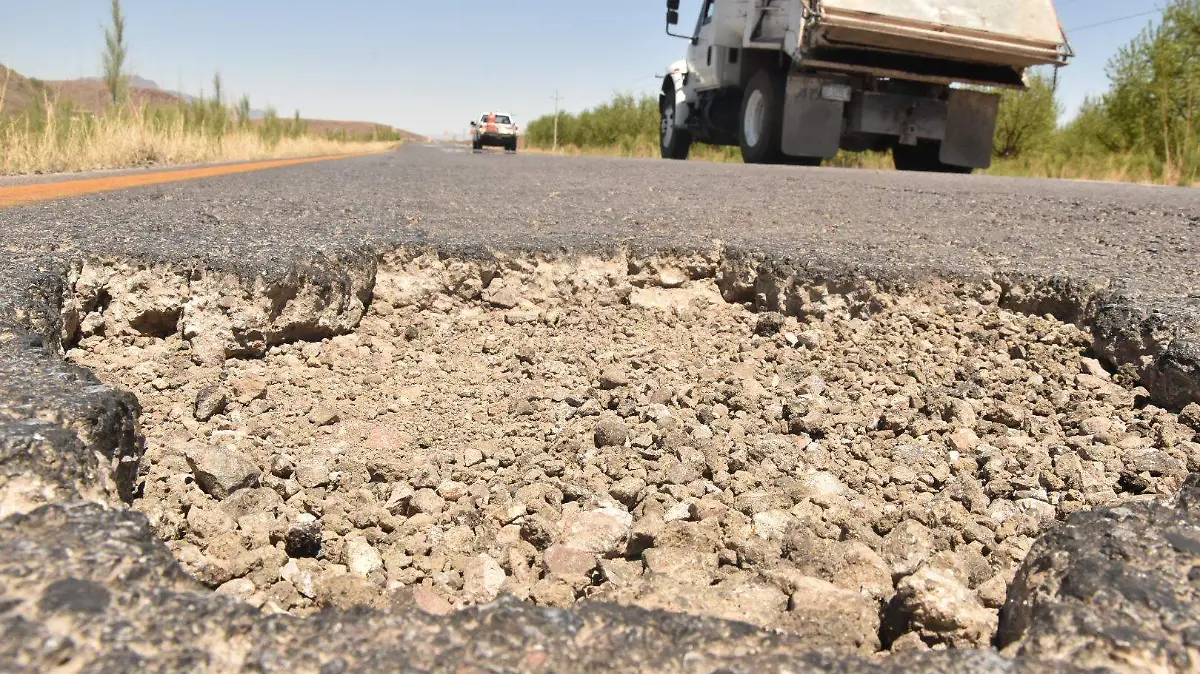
x,y
426,66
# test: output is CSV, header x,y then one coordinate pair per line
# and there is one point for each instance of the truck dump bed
x,y
1001,37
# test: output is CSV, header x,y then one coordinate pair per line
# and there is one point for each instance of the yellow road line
x,y
25,194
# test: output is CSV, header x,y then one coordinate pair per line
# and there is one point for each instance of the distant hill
x,y
138,82
134,81
93,96
90,94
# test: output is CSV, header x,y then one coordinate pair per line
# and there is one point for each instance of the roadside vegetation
x,y
626,126
52,134
1145,128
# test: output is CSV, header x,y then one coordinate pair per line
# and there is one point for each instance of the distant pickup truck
x,y
494,129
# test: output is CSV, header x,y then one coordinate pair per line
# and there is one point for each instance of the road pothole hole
x,y
868,471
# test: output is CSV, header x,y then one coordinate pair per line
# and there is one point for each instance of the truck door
x,y
701,56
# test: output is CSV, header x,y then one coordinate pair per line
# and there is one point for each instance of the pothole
x,y
868,472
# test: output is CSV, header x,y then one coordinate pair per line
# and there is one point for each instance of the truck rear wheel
x,y
762,119
924,156
674,143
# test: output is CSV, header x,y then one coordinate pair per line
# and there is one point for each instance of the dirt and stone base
x,y
861,469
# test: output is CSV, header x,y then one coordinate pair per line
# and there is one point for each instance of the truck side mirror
x,y
673,18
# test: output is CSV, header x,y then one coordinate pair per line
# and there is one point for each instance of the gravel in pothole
x,y
869,479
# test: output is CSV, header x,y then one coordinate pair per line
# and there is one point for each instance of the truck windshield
x,y
502,119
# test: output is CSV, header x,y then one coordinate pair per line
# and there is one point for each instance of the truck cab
x,y
796,81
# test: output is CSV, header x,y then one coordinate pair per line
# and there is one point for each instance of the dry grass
x,y
1108,168
4,88
82,142
720,155
865,160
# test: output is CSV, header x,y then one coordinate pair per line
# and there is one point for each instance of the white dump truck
x,y
794,81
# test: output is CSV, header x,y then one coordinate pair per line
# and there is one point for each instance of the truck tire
x,y
924,156
673,142
759,132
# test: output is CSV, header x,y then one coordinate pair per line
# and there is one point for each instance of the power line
x,y
1118,19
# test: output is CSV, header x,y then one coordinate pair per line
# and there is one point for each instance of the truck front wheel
x,y
762,119
674,142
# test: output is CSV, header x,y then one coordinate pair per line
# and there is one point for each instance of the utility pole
x,y
556,99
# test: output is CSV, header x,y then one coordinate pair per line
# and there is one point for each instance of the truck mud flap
x,y
812,125
970,128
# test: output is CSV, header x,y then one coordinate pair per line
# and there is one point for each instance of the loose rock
x,y
941,607
483,579
362,558
220,471
304,540
613,377
210,401
769,323
603,532
610,432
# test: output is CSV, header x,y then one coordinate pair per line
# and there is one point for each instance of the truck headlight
x,y
836,92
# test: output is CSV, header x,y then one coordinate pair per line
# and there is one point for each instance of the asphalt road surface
x,y
1138,240
1123,260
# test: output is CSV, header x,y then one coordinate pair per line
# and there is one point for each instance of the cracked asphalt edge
x,y
62,428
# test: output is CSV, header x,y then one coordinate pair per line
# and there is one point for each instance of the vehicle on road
x,y
795,81
494,129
